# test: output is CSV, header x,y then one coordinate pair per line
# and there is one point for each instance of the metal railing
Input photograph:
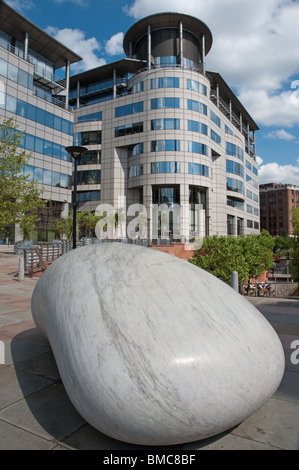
x,y
270,289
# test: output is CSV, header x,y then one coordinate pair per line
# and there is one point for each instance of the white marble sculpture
x,y
151,349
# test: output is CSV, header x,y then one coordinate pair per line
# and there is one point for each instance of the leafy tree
x,y
221,255
20,199
87,221
64,226
294,265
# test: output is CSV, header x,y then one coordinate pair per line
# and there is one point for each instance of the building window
x,y
228,130
249,209
197,106
92,157
235,168
165,82
165,145
249,223
195,126
36,144
137,149
230,224
234,151
235,203
197,147
215,118
196,86
165,167
235,185
129,129
165,103
129,109
47,177
165,61
215,137
136,170
89,177
198,169
90,117
165,124
166,195
86,196
90,138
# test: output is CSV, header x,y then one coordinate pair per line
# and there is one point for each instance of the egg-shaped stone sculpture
x,y
151,349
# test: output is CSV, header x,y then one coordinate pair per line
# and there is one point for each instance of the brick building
x,y
276,203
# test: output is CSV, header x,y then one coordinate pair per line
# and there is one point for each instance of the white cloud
x,y
20,5
75,40
81,3
275,173
255,49
114,46
280,134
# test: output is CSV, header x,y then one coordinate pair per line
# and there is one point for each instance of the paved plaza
x,y
36,413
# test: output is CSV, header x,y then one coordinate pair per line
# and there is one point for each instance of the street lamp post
x,y
75,152
256,266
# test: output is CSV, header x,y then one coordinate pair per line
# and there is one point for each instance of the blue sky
x,y
255,49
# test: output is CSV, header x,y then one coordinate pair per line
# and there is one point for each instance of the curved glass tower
x,y
162,129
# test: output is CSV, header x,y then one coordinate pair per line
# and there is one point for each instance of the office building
x,y
37,99
276,203
160,127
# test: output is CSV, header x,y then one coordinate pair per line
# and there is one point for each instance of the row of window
x,y
90,117
15,74
28,111
85,196
251,167
170,167
89,177
45,147
88,138
47,177
252,210
165,124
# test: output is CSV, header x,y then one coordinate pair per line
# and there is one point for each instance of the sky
x,y
255,49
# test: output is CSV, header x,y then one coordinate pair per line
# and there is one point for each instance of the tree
x,y
220,255
294,265
87,221
64,226
20,199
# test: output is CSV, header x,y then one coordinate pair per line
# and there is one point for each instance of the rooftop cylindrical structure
x,y
169,39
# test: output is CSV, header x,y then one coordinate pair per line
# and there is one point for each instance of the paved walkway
x,y
36,413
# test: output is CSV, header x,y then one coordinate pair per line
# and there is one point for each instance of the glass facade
x,y
165,82
193,105
234,150
164,103
92,157
86,196
16,74
90,117
129,109
235,185
215,118
196,86
47,177
89,177
164,124
235,168
166,195
197,147
36,144
128,129
196,126
165,145
165,167
198,169
33,113
136,170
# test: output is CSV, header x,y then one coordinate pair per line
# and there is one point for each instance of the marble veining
x,y
152,350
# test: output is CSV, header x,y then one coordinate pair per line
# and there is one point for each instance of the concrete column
x,y
114,83
248,137
67,81
235,227
26,46
230,111
149,47
241,122
217,94
78,95
147,202
203,53
184,213
181,45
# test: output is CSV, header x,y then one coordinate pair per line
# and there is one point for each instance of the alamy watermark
x,y
160,221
